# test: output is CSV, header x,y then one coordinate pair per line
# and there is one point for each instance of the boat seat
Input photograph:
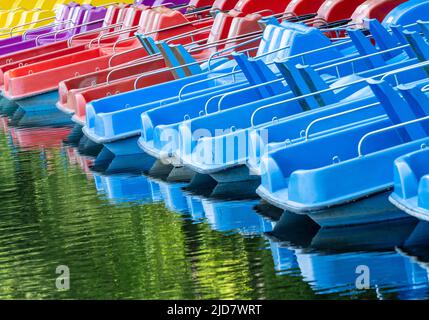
x,y
303,7
336,10
375,9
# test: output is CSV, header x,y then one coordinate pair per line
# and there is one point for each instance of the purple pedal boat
x,y
71,19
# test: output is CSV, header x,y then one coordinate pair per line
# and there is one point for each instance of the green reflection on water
x,y
50,215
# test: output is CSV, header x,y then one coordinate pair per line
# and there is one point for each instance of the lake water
x,y
131,237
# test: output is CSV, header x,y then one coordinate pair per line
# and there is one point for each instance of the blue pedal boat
x,y
263,138
228,133
40,110
316,186
411,181
104,124
155,122
182,111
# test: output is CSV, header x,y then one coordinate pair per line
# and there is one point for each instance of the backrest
x,y
92,15
241,26
375,9
399,109
407,13
224,5
201,3
112,15
301,7
166,18
131,19
418,101
334,10
296,39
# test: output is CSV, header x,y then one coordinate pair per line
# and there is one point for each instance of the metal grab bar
x,y
281,49
98,30
26,33
282,79
336,65
55,33
242,44
135,63
298,55
181,92
11,30
124,53
182,66
208,45
415,66
86,24
224,96
167,28
189,33
197,11
178,25
150,58
169,69
202,47
280,15
400,125
229,48
131,50
307,130
112,34
222,42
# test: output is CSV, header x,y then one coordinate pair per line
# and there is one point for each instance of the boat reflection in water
x,y
31,138
123,189
331,260
38,138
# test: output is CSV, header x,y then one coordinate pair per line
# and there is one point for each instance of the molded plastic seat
x,y
336,10
375,9
411,175
302,7
407,13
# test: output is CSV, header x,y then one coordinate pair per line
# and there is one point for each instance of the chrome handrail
x,y
149,58
55,33
112,34
26,33
400,70
98,30
375,132
318,120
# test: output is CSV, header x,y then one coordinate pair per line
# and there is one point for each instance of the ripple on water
x,y
119,241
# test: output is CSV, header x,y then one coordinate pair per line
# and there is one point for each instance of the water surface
x,y
131,237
